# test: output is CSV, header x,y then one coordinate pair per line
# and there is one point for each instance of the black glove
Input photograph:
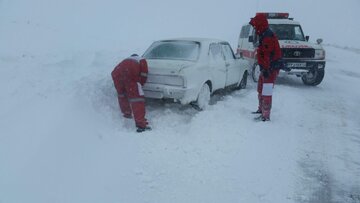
x,y
266,73
277,65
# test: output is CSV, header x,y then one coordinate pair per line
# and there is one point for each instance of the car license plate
x,y
296,65
152,94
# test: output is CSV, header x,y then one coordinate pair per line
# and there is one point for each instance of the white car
x,y
189,70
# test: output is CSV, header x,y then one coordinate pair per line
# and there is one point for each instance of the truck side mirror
x,y
251,38
241,55
319,41
307,38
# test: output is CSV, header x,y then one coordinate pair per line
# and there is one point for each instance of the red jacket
x,y
268,51
132,69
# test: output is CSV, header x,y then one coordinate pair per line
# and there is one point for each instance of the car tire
x,y
203,99
255,72
243,82
314,77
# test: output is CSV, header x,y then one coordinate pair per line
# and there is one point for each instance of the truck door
x,y
243,44
251,46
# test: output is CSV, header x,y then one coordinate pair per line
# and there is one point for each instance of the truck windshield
x,y
174,50
288,32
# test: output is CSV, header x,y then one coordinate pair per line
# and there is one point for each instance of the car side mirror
x,y
307,38
239,55
251,38
319,41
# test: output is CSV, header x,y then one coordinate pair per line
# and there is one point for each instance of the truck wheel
x,y
255,72
313,77
204,97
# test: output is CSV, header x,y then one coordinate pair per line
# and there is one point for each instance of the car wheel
x,y
313,77
203,99
255,72
243,82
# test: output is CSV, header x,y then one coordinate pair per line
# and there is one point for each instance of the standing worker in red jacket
x,y
129,76
269,60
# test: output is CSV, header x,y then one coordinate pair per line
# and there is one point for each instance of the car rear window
x,y
174,50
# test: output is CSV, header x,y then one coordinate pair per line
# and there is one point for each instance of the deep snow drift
x,y
62,138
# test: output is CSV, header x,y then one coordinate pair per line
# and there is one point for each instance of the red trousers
x,y
265,90
132,101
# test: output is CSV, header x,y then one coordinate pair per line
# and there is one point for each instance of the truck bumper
x,y
298,66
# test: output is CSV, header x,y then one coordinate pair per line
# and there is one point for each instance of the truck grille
x,y
298,53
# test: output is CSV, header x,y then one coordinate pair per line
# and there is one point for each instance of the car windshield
x,y
175,50
288,32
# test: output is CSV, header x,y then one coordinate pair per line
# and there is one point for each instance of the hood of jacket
x,y
260,23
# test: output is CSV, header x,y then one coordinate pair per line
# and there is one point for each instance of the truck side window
x,y
255,37
298,33
245,31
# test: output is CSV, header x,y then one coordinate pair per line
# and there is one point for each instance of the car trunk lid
x,y
166,67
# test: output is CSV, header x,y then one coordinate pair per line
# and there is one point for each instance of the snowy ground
x,y
62,138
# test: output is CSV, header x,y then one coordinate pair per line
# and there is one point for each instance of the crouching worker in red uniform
x,y
269,59
129,76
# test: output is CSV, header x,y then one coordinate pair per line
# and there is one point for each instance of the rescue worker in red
x,y
129,76
269,59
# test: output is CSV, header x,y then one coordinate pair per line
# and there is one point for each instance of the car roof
x,y
205,43
194,39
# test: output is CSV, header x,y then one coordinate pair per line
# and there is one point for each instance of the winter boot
x,y
261,118
257,112
141,129
129,116
265,119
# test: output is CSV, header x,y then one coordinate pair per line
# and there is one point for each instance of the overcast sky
x,y
103,24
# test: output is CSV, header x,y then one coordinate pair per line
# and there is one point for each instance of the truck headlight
x,y
319,54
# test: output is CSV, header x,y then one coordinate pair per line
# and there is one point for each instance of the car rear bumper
x,y
160,91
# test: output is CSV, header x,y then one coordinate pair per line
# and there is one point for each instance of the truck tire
x,y
314,77
255,72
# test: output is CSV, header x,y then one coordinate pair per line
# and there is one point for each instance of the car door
x,y
217,66
231,64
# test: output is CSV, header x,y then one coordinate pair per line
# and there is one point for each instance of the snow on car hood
x,y
167,67
298,44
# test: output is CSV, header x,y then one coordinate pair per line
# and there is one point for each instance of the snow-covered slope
x,y
62,138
